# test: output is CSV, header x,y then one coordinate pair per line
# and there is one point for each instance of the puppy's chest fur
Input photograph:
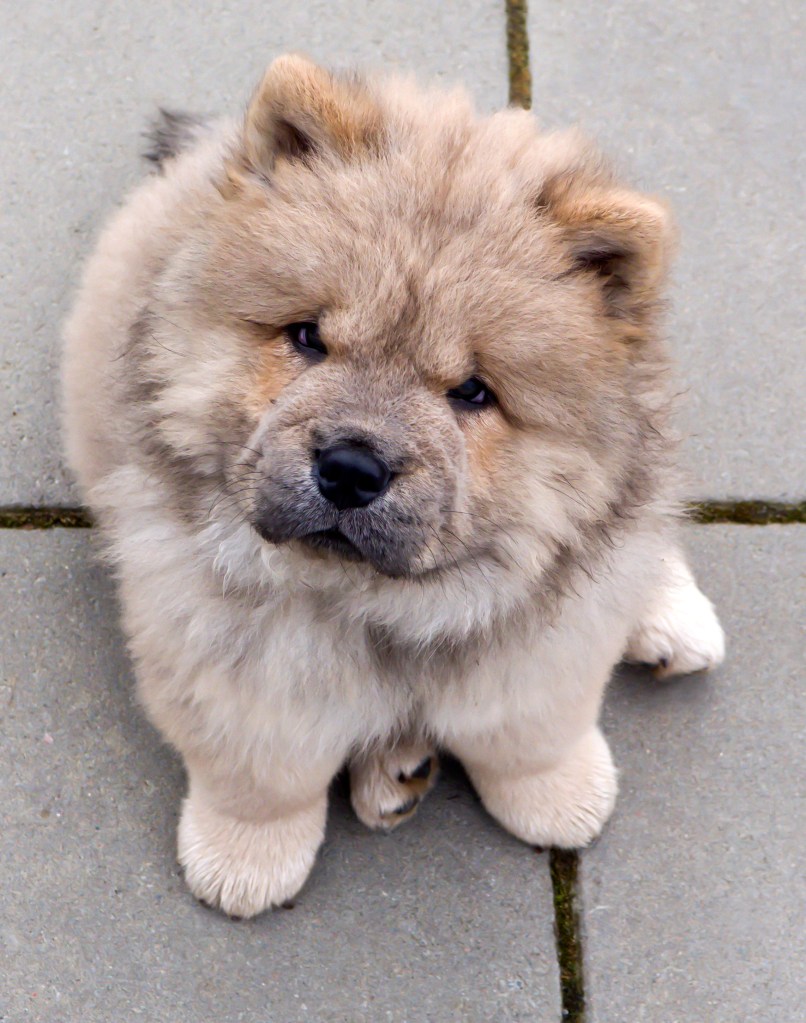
x,y
360,656
443,661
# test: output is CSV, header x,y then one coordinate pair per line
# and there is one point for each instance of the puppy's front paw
x,y
243,868
566,806
679,633
386,788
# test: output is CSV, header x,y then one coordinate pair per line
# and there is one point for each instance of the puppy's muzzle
x,y
340,497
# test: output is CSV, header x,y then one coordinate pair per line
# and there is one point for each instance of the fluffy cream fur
x,y
518,554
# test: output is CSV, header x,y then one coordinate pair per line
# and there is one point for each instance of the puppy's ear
x,y
622,237
300,110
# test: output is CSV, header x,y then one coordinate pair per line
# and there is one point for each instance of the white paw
x,y
386,788
679,632
566,806
244,868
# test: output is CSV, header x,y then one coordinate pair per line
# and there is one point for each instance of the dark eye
x,y
305,336
472,392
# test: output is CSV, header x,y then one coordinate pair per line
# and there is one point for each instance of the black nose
x,y
350,475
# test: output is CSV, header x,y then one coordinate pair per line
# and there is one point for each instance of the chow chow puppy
x,y
368,397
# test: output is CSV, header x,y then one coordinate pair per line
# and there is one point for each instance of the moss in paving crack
x,y
564,870
44,518
748,513
520,77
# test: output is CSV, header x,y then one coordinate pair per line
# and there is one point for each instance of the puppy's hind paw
x,y
386,788
678,633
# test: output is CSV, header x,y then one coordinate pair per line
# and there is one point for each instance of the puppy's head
x,y
412,337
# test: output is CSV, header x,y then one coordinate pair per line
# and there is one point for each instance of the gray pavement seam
x,y
44,517
741,513
564,866
748,513
520,75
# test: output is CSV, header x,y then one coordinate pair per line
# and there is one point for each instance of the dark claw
x,y
208,905
407,807
662,662
422,770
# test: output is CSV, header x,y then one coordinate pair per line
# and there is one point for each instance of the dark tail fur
x,y
172,133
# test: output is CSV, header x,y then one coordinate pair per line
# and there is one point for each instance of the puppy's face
x,y
422,340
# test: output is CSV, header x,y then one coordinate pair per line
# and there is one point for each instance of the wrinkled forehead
x,y
387,258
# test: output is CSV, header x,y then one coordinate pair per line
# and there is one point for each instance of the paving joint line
x,y
44,517
742,513
520,75
751,513
564,869
748,513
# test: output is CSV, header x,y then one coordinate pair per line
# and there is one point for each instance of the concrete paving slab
x,y
447,919
693,900
702,103
81,79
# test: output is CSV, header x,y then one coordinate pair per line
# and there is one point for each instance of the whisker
x,y
453,558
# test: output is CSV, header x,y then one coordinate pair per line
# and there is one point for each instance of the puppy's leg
x,y
678,629
564,801
247,847
386,786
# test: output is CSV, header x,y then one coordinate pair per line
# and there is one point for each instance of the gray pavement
x,y
694,898
704,103
692,902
